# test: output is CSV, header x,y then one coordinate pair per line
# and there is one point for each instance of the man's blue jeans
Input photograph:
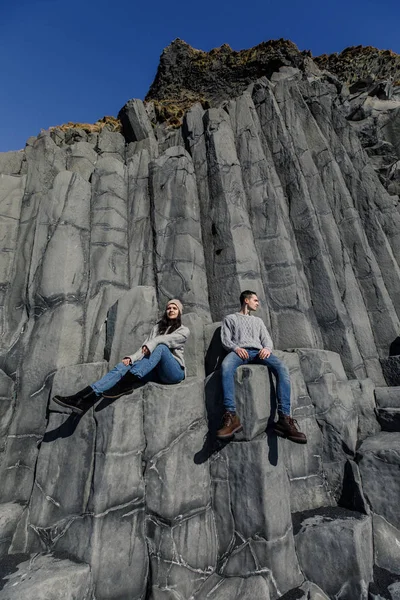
x,y
161,366
232,361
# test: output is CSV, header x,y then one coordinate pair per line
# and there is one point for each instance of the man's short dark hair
x,y
246,294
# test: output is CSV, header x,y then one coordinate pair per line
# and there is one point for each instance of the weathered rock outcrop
x,y
271,190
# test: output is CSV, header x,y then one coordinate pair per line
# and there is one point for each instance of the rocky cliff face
x,y
272,191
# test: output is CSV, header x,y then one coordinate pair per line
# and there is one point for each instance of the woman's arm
x,y
176,339
139,353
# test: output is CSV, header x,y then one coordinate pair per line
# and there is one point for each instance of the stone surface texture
x,y
257,169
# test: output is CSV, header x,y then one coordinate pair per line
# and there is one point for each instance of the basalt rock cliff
x,y
257,169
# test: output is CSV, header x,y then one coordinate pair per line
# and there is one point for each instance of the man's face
x,y
172,311
252,302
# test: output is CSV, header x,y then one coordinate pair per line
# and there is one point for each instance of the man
x,y
247,340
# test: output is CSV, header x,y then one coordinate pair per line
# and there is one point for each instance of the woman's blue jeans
x,y
232,361
161,366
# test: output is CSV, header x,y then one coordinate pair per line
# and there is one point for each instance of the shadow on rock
x,y
9,564
64,430
211,446
127,385
215,411
272,441
215,353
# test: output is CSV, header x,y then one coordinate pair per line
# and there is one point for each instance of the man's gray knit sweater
x,y
244,331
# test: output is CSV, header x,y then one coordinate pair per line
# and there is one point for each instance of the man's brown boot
x,y
230,425
288,428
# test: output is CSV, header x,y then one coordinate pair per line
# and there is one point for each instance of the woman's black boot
x,y
79,402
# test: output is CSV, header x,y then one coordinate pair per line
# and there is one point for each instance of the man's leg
x,y
285,426
231,423
228,369
281,372
161,360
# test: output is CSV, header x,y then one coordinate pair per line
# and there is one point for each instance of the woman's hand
x,y
145,351
126,361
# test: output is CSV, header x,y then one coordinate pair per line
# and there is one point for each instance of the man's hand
x,y
126,361
264,353
145,351
242,352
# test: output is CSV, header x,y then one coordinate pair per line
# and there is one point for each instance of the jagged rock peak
x,y
362,62
186,75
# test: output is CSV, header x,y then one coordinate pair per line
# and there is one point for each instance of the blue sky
x,y
80,60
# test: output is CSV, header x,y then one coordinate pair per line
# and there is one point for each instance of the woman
x,y
159,359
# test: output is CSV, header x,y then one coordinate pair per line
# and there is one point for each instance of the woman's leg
x,y
163,361
110,379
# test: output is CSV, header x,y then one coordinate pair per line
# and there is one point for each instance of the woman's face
x,y
172,311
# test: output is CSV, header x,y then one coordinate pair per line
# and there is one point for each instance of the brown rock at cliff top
x,y
186,75
362,62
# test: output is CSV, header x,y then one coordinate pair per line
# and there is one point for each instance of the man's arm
x,y
265,338
227,341
226,335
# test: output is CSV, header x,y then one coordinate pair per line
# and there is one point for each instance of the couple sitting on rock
x,y
160,359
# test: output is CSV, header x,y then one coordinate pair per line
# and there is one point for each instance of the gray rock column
x,y
179,256
129,322
81,159
44,160
254,520
114,517
386,544
195,141
135,122
64,466
378,458
140,233
330,311
364,397
109,263
11,194
178,493
335,551
10,513
7,404
309,487
60,253
233,588
53,337
293,322
379,214
12,163
335,412
111,144
352,201
236,266
253,399
48,577
391,370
